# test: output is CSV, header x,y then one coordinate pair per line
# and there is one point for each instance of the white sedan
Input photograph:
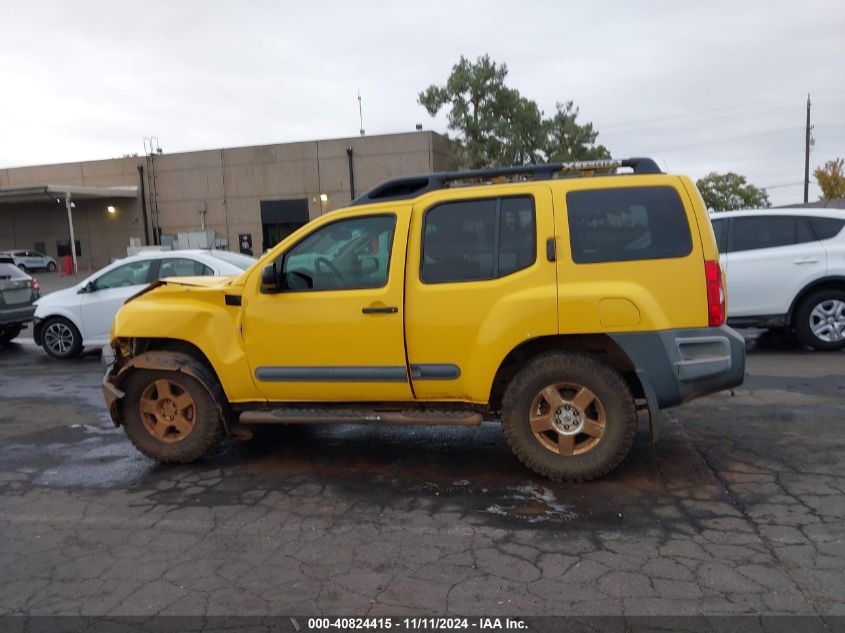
x,y
67,320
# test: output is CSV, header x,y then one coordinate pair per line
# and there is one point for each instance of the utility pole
x,y
360,113
807,142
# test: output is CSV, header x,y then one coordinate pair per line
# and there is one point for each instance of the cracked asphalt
x,y
739,509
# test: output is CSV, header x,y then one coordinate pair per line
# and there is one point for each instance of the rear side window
x,y
182,267
475,240
627,223
764,231
825,228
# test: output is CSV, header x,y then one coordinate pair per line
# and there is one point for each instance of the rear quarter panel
x,y
633,296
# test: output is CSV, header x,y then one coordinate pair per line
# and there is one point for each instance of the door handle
x,y
385,310
807,260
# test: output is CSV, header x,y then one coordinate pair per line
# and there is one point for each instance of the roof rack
x,y
413,186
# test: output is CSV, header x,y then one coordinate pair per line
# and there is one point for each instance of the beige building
x,y
262,192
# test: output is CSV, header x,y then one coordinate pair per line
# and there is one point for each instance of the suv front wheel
x,y
820,320
170,416
569,417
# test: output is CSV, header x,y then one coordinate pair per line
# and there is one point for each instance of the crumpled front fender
x,y
117,372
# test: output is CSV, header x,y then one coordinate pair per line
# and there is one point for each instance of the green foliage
x,y
496,125
831,179
726,192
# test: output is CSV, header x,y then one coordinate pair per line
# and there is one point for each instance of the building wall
x,y
227,184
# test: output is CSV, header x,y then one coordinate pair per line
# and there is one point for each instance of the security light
x,y
110,209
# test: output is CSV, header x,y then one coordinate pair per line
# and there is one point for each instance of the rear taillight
x,y
715,294
35,287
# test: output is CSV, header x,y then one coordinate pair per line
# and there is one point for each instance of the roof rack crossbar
x,y
413,186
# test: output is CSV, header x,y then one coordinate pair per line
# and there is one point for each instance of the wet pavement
x,y
740,508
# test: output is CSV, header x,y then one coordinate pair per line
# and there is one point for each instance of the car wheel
x,y
820,320
9,332
170,416
22,267
569,417
51,267
60,338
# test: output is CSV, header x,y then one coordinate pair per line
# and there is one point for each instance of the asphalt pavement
x,y
740,508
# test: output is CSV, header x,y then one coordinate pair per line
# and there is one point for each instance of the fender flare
x,y
163,361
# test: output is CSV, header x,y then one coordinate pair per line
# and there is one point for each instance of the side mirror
x,y
269,279
89,287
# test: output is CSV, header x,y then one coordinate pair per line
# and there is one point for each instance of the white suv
x,y
786,268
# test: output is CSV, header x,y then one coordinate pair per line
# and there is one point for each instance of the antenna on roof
x,y
360,114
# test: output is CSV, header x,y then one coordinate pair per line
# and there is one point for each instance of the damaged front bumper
x,y
112,394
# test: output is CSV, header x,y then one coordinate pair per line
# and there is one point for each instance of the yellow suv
x,y
558,298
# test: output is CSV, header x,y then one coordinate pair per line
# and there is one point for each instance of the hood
x,y
64,296
191,282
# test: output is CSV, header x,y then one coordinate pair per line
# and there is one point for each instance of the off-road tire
x,y
582,369
208,429
75,348
802,320
9,332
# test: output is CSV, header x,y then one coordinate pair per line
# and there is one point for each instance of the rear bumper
x,y
675,366
16,314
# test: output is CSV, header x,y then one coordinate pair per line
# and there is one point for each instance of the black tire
x,y
808,317
9,332
22,267
51,267
207,426
60,338
612,400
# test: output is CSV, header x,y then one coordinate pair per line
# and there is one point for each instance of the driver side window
x,y
344,255
132,274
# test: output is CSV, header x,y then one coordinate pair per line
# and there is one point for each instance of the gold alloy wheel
x,y
167,411
568,419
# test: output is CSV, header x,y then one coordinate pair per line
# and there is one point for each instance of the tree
x,y
725,192
566,140
831,179
496,125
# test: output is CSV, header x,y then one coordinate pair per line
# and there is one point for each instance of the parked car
x,y
560,305
32,260
68,320
785,268
18,292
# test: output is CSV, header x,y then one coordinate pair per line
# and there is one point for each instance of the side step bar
x,y
360,416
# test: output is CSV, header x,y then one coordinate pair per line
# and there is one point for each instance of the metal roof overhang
x,y
42,193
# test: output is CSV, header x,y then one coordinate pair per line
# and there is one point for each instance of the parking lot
x,y
740,508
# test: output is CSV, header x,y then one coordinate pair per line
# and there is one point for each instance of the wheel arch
x,y
600,345
169,355
62,313
834,282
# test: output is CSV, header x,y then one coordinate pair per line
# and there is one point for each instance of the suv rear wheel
x,y
170,416
820,320
569,417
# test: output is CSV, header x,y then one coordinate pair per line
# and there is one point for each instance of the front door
x,y
104,296
334,331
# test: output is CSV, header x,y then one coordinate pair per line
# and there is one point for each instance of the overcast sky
x,y
699,86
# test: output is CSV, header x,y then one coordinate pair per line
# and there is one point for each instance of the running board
x,y
360,416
